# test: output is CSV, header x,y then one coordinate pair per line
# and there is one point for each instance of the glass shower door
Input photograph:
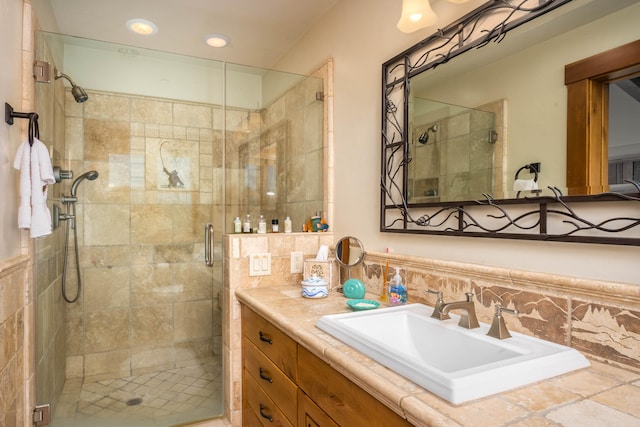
x,y
142,345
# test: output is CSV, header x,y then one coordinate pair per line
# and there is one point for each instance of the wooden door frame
x,y
587,115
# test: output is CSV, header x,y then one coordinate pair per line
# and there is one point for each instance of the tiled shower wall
x,y
275,158
148,301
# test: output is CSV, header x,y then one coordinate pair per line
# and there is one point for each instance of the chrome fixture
x,y
424,136
174,178
41,71
437,309
70,217
468,317
78,93
498,328
59,174
208,245
91,175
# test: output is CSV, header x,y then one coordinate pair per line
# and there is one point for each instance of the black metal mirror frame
x,y
534,218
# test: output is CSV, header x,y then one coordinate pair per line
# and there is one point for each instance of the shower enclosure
x,y
178,143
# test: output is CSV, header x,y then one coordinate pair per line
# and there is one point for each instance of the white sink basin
x,y
456,364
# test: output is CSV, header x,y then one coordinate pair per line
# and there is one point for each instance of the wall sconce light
x,y
416,14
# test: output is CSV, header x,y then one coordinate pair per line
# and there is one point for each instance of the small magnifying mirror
x,y
349,252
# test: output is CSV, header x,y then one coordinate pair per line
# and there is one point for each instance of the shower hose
x,y
71,223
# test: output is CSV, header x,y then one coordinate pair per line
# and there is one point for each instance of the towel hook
x,y
10,114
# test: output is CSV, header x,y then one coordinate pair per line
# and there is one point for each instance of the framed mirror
x,y
475,124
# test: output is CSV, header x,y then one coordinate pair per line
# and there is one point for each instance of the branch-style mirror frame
x,y
548,218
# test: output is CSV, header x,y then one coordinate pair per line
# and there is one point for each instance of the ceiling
x,y
261,31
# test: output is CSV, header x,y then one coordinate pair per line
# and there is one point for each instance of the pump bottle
x,y
397,290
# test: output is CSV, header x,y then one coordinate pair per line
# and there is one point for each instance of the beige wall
x,y
360,35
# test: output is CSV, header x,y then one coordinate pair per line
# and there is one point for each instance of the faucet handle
x,y
437,309
498,327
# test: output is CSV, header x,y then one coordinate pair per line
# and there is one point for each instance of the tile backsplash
x,y
596,317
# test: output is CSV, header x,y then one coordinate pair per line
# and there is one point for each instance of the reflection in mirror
x,y
349,252
526,68
451,152
624,134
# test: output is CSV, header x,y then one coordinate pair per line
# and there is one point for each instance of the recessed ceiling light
x,y
142,26
216,40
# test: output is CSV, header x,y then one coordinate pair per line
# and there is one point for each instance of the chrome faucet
x,y
437,309
468,317
498,327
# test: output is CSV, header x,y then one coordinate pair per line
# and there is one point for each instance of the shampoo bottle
x,y
397,291
246,225
262,225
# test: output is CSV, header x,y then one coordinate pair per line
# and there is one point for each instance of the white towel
x,y
36,173
525,185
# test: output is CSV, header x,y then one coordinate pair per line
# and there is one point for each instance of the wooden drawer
x,y
275,384
256,400
249,419
309,415
274,343
343,401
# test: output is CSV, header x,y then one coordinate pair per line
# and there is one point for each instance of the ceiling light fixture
x,y
217,40
416,14
142,26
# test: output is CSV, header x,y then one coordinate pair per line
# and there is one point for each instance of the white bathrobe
x,y
36,173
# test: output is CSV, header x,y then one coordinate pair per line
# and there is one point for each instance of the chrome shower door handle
x,y
208,245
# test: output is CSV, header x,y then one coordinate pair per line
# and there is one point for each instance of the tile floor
x,y
157,399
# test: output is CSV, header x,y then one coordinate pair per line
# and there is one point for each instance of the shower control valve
x,y
68,199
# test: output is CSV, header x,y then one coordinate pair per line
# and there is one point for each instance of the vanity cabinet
x,y
269,372
310,414
342,400
284,384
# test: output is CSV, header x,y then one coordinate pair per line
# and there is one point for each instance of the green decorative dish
x,y
362,304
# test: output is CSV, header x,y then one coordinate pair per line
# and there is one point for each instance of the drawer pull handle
x,y
265,377
265,339
269,417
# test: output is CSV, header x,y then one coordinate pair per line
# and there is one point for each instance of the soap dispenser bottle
x,y
397,291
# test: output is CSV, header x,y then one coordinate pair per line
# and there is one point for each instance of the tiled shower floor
x,y
156,399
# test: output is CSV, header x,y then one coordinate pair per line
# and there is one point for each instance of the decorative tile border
x,y
596,317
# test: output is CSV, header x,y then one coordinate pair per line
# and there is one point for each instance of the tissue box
x,y
327,270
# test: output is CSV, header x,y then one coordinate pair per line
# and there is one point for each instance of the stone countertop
x,y
600,395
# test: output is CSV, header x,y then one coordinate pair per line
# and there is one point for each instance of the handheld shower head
x,y
91,175
78,93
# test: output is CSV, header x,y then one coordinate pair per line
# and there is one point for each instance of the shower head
x,y
424,136
78,93
91,175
